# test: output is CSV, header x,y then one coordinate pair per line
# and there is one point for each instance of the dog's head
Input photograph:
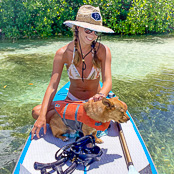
x,y
115,110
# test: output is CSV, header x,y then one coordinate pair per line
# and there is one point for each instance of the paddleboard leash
x,y
83,151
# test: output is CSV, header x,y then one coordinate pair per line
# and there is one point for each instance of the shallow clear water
x,y
142,72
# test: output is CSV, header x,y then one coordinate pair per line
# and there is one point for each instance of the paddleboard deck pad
x,y
112,160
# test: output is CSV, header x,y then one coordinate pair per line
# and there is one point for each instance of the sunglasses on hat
x,y
88,31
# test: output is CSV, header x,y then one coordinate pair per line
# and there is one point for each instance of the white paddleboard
x,y
112,161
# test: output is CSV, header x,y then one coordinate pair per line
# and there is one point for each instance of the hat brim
x,y
98,28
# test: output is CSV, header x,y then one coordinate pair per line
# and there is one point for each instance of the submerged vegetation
x,y
44,18
142,76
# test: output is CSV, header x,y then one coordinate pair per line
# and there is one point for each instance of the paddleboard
x,y
112,160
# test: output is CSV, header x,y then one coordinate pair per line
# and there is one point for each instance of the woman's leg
x,y
51,110
50,113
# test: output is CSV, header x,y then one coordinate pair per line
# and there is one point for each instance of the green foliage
x,y
67,10
27,18
149,16
43,18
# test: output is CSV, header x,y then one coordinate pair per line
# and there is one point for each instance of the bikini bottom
x,y
73,98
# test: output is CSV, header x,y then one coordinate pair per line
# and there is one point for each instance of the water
x,y
142,73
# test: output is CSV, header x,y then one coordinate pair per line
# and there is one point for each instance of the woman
x,y
85,58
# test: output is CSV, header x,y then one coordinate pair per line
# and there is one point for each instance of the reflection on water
x,y
142,70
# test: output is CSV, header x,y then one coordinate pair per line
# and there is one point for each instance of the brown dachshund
x,y
102,111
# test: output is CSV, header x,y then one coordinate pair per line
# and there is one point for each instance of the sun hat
x,y
89,17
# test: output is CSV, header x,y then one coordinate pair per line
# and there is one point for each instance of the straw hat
x,y
89,17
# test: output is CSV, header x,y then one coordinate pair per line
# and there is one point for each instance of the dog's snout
x,y
127,117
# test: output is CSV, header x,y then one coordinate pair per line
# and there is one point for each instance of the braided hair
x,y
96,62
77,57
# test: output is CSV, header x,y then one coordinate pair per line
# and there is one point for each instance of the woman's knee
x,y
36,111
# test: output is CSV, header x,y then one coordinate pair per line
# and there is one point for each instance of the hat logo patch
x,y
96,16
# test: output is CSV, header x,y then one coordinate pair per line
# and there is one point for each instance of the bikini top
x,y
74,74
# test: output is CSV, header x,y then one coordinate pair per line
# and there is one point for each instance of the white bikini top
x,y
74,74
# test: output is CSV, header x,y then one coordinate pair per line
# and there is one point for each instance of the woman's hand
x,y
97,97
40,122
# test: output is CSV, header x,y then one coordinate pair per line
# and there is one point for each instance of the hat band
x,y
88,19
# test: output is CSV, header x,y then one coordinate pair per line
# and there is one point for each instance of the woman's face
x,y
86,38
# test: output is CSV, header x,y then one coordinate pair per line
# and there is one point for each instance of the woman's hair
x,y
77,58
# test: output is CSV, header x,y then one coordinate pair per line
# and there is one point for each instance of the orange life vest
x,y
74,110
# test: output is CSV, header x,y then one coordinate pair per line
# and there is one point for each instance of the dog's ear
x,y
108,104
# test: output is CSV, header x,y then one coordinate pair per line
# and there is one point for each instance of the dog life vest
x,y
73,115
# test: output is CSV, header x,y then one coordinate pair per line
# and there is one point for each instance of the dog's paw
x,y
99,141
65,139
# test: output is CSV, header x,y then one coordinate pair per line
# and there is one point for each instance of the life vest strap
x,y
64,120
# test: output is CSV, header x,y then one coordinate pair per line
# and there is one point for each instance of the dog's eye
x,y
112,107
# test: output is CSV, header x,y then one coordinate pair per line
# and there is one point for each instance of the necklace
x,y
83,59
83,53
